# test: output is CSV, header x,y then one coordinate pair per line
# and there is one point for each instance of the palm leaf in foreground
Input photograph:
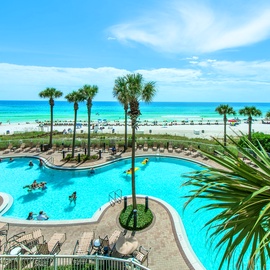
x,y
241,192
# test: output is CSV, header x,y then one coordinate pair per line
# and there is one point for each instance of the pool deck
x,y
162,236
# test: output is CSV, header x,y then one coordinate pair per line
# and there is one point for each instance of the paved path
x,y
166,252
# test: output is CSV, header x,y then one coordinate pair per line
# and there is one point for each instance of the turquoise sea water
x,y
29,111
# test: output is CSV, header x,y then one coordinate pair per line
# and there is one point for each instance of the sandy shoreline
x,y
188,130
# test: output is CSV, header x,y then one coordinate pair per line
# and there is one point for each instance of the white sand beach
x,y
187,130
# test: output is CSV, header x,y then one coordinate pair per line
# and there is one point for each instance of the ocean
x,y
30,111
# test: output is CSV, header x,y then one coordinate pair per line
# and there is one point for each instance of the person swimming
x,y
34,185
128,171
40,162
73,197
42,216
42,185
30,216
31,163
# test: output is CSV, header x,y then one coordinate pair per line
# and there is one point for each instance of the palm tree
x,y
51,93
74,97
225,110
137,91
88,92
267,114
121,93
241,193
250,111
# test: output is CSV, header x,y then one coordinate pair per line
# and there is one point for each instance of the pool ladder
x,y
115,197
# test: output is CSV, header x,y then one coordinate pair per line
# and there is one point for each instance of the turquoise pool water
x,y
161,178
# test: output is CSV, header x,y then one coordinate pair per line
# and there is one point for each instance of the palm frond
x,y
241,193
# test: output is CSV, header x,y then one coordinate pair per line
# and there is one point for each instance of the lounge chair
x,y
20,149
3,234
170,148
52,247
56,239
154,147
141,254
83,245
29,239
6,151
161,148
52,150
113,239
145,147
26,149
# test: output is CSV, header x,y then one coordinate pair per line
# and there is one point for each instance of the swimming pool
x,y
161,178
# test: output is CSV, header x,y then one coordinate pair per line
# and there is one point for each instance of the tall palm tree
x,y
241,193
137,90
51,93
88,92
74,97
267,114
121,93
225,109
249,112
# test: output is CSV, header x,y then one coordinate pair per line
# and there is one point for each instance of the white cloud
x,y
194,26
207,80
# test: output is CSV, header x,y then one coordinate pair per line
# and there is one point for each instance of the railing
x,y
115,197
50,160
68,262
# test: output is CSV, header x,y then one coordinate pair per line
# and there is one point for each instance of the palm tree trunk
x,y
126,143
74,132
51,132
225,127
89,128
249,128
134,202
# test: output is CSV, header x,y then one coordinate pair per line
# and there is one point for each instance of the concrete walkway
x,y
161,236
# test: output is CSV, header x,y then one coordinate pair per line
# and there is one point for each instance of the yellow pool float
x,y
145,161
130,170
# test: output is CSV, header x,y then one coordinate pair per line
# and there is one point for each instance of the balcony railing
x,y
68,262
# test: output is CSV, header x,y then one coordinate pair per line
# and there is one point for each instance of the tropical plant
x,y
51,93
225,110
250,112
88,92
74,97
137,90
121,93
258,138
240,189
267,114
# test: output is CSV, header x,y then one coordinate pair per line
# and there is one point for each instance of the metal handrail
x,y
77,262
115,197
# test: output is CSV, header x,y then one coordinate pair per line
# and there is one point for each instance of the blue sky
x,y
195,50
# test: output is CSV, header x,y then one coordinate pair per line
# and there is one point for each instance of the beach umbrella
x,y
232,120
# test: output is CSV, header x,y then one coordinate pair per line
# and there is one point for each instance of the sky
x,y
195,50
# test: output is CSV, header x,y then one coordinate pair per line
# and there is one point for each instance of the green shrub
x,y
263,139
82,158
144,218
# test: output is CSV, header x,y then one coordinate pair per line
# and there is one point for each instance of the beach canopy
x,y
232,120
